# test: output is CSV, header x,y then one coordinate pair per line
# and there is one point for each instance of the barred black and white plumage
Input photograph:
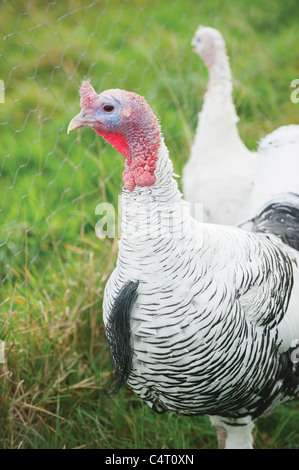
x,y
215,323
118,332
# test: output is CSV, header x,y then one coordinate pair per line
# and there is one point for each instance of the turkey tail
x,y
118,333
280,218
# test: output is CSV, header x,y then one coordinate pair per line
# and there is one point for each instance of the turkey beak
x,y
81,120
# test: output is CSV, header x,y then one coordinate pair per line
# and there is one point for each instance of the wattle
x,y
141,167
117,140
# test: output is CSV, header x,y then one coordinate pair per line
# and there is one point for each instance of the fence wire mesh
x,y
51,183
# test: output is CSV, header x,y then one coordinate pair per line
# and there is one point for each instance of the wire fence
x,y
51,183
53,267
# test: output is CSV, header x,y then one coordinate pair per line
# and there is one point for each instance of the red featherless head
x,y
126,121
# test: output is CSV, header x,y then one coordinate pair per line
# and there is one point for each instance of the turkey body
x,y
205,327
200,318
277,169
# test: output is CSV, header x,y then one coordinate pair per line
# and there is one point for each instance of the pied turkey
x,y
200,318
220,171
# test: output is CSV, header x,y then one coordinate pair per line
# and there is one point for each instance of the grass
x,y
53,269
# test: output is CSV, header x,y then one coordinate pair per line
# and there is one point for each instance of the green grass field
x,y
53,268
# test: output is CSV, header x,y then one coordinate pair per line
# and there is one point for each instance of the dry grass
x,y
53,269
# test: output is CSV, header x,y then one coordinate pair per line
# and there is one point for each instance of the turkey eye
x,y
108,108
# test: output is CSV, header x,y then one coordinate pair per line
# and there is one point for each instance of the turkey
x,y
220,171
200,318
277,166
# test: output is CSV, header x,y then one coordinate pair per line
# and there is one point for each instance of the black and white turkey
x,y
200,318
220,170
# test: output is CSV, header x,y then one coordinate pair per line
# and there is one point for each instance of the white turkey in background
x,y
220,170
200,318
277,166
277,182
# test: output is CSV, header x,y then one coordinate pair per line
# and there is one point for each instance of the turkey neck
x,y
218,97
218,118
149,211
220,71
